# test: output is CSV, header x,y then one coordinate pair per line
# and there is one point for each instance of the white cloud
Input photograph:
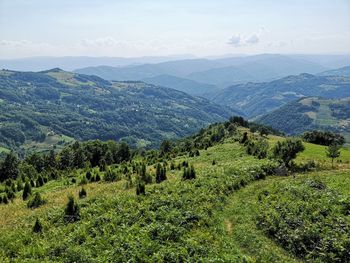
x,y
253,39
101,42
241,41
235,40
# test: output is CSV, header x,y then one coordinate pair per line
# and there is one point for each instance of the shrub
x,y
287,150
5,200
323,138
308,219
36,201
27,191
160,173
72,210
88,175
189,173
40,181
37,228
110,175
82,193
140,188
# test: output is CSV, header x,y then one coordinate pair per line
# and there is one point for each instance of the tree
x,y
165,147
140,188
287,150
51,160
27,191
82,193
35,201
66,159
189,173
37,228
123,152
333,152
160,173
72,210
9,168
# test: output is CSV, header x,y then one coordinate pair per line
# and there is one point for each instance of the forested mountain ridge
x,y
309,114
256,99
37,107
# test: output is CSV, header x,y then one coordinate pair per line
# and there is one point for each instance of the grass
x,y
115,219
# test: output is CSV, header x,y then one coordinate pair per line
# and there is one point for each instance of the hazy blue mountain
x,y
257,68
189,86
344,71
75,62
33,105
222,72
328,61
180,68
311,113
222,77
260,98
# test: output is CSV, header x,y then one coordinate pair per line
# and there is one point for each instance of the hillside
x,y
344,71
235,209
185,85
309,114
51,107
256,99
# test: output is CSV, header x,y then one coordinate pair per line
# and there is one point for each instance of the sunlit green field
x,y
223,202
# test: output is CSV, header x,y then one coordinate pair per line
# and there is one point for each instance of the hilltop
x,y
233,208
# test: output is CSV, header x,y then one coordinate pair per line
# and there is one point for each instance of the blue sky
x,y
163,27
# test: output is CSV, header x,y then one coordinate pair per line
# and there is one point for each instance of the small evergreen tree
x,y
82,193
333,152
5,200
37,228
189,173
10,194
72,210
40,181
140,188
160,173
27,191
88,175
35,201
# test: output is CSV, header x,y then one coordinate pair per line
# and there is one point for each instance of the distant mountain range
x,y
344,71
256,99
219,72
48,107
309,114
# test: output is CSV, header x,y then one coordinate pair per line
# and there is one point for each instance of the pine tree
x,y
72,210
40,181
27,191
35,201
37,228
5,200
140,188
82,193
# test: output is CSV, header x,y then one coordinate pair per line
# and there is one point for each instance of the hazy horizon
x,y
166,28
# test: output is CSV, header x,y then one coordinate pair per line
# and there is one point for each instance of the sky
x,y
132,28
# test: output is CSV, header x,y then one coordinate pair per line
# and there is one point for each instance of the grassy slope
x,y
232,234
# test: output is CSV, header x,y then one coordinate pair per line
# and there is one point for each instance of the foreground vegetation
x,y
206,198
